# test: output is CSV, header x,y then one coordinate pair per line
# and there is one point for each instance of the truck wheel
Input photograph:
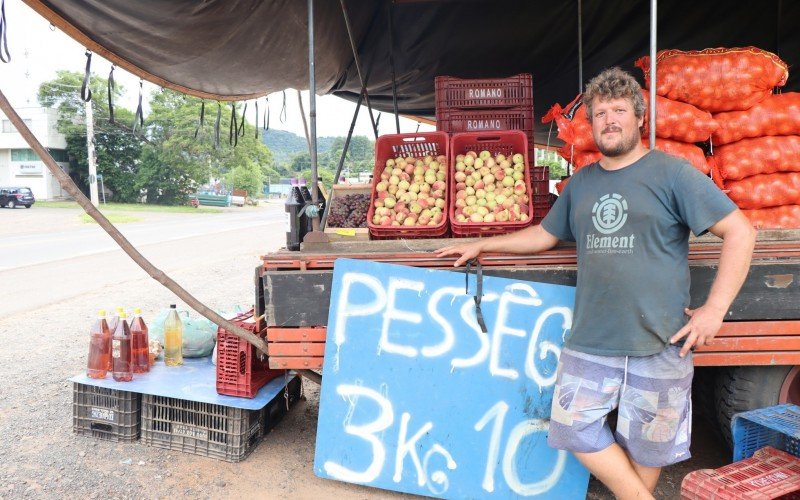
x,y
744,388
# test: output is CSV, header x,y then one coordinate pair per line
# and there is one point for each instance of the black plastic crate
x,y
108,414
278,407
203,429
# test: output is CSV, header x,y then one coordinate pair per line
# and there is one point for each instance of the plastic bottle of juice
x,y
173,338
140,343
121,352
99,348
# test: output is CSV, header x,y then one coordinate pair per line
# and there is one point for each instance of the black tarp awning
x,y
239,49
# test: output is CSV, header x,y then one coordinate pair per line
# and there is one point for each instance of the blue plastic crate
x,y
776,426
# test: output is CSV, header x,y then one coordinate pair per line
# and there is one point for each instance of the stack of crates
x,y
485,104
540,192
766,446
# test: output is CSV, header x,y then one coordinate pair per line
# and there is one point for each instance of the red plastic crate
x,y
769,473
417,145
240,369
540,180
483,93
457,121
540,187
507,142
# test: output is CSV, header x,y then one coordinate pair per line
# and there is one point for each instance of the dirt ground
x,y
40,457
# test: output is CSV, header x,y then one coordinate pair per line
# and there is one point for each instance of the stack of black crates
x,y
205,429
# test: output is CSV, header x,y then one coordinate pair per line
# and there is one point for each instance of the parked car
x,y
11,197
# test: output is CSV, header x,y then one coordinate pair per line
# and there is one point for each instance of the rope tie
x,y
86,92
478,292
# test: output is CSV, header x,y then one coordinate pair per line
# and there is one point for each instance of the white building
x,y
20,166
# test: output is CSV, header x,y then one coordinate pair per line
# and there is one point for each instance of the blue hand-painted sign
x,y
416,398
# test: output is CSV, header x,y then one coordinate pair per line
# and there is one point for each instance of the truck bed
x,y
293,288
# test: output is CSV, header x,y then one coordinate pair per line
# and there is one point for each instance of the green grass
x,y
113,218
132,207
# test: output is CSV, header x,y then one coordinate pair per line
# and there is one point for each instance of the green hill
x,y
285,145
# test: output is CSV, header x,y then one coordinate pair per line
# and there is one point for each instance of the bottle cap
x,y
120,309
102,313
294,181
122,315
302,181
172,306
137,311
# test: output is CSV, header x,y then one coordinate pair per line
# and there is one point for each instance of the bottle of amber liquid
x,y
121,352
112,327
99,348
173,338
140,343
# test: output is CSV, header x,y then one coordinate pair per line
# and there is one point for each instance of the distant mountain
x,y
284,145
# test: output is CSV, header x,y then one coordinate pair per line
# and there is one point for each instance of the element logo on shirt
x,y
610,213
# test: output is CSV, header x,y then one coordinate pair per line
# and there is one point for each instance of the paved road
x,y
50,265
46,247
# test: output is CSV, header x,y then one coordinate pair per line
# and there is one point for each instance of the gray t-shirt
x,y
631,228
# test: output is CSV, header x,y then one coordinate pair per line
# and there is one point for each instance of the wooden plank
x,y
297,298
312,334
757,328
302,298
771,291
295,363
746,358
764,238
302,349
742,344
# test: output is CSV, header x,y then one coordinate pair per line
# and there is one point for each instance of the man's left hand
x,y
704,323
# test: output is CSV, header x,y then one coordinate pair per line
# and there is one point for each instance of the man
x,y
630,215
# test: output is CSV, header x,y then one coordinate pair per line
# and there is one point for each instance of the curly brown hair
x,y
614,83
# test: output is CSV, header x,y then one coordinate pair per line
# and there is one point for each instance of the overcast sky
x,y
38,50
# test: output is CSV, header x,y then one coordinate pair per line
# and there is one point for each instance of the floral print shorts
x,y
653,394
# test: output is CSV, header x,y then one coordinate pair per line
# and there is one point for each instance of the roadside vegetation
x,y
132,207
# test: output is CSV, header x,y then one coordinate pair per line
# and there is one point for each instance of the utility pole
x,y
90,148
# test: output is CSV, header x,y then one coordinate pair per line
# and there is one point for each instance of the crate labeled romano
x,y
409,186
108,414
483,93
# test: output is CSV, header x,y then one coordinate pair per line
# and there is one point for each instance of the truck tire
x,y
744,388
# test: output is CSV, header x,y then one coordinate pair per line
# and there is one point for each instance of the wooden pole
x,y
69,186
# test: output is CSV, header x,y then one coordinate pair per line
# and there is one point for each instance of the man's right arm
x,y
532,239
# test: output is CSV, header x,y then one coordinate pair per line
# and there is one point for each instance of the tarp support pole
x,y
312,112
342,157
391,63
358,66
653,81
580,46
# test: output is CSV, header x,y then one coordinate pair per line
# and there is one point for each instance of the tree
x,y
117,149
247,176
192,161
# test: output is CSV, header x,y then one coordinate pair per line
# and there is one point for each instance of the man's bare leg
x,y
648,475
614,469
